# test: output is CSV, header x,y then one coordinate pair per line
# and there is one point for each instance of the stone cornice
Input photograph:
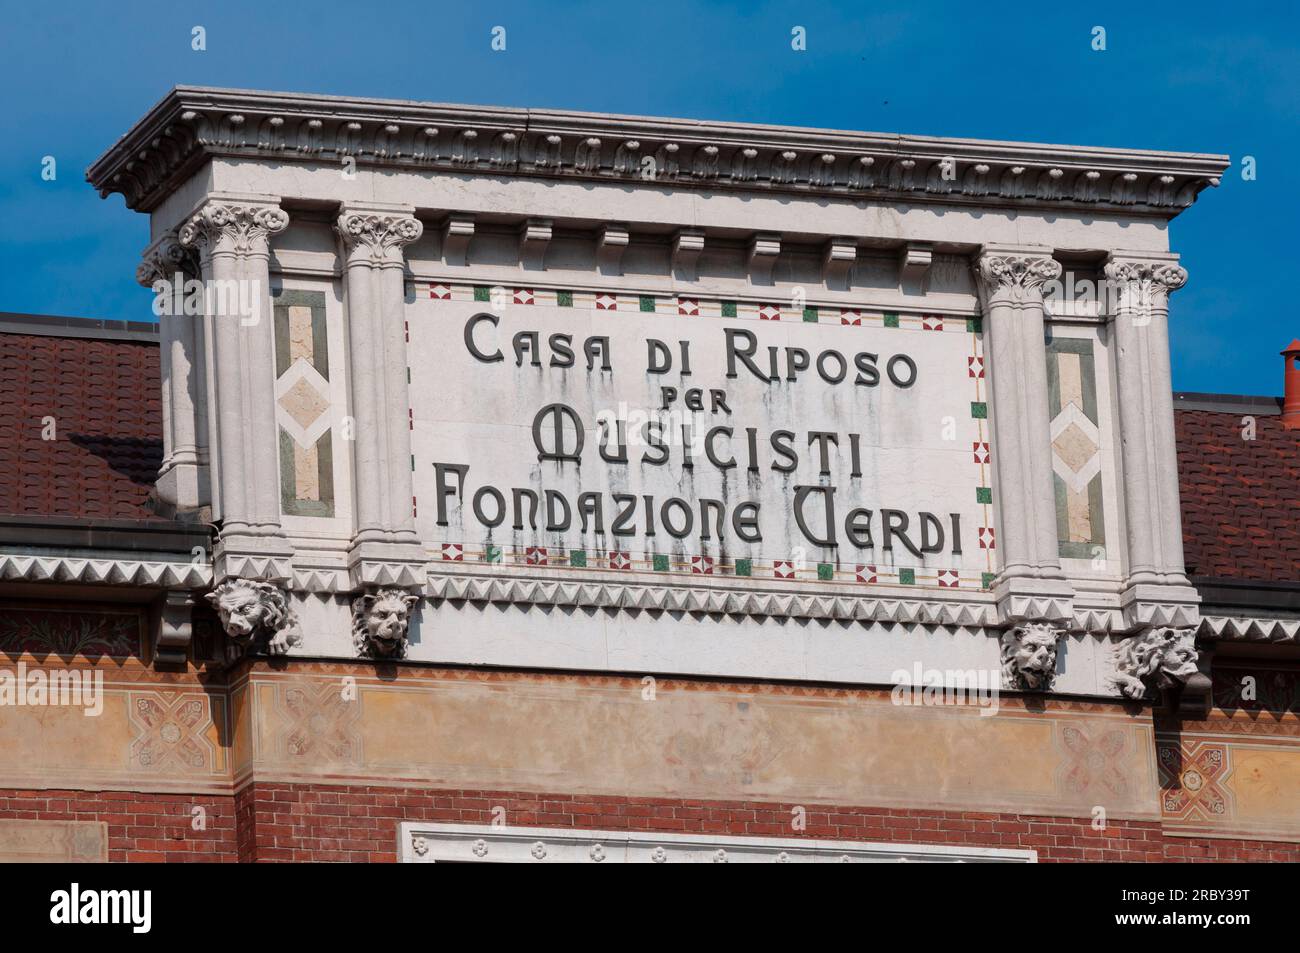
x,y
193,124
1249,629
112,572
805,603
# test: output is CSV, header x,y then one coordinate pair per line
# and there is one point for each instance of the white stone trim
x,y
112,572
424,843
776,602
1249,629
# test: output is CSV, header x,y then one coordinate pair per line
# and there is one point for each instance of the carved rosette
x,y
164,259
1141,284
237,229
1029,656
1017,277
377,239
1159,658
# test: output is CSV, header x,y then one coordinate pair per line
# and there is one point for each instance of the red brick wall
x,y
314,822
141,827
336,822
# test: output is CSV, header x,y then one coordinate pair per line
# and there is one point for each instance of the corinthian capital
x,y
1016,275
376,237
233,227
1143,281
162,260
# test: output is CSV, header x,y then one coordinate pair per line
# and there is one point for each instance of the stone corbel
x,y
914,264
763,251
610,246
534,237
173,628
456,234
1164,661
838,259
1029,656
688,243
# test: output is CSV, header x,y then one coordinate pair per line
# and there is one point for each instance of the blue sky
x,y
1195,77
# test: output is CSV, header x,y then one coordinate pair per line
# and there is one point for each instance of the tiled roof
x,y
1241,515
102,397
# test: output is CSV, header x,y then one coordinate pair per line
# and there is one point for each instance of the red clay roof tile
x,y
103,399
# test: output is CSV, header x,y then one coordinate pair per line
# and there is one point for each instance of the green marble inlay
x,y
744,567
979,409
491,554
482,293
660,561
648,304
728,309
564,299
986,579
907,577
810,315
825,572
578,557
983,494
891,319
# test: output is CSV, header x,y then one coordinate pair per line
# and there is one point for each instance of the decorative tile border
x,y
693,306
791,570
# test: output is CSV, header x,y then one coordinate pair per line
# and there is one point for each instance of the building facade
x,y
525,485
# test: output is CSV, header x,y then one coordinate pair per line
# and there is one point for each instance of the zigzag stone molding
x,y
1248,629
703,599
113,572
192,124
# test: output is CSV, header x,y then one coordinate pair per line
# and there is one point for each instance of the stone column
x,y
1156,590
385,549
232,234
171,270
1030,585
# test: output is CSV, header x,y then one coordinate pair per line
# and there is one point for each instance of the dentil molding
x,y
193,124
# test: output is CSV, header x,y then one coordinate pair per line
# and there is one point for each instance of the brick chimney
x,y
1291,387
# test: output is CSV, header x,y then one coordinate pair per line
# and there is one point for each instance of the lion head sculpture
x,y
253,610
1029,656
380,622
1157,659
